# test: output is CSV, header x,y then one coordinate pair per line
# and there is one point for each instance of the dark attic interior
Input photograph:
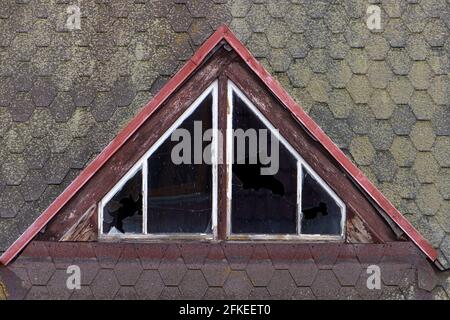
x,y
224,184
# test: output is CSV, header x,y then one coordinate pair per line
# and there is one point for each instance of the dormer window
x,y
271,192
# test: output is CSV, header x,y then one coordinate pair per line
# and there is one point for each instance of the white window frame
x,y
301,164
142,163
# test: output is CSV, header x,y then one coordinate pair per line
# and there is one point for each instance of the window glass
x,y
320,212
123,213
261,204
180,195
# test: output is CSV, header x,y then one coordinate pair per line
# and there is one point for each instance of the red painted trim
x,y
222,33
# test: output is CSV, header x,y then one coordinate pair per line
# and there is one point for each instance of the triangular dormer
x,y
134,191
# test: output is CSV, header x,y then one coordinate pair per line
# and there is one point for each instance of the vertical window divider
x,y
144,195
230,154
214,156
299,196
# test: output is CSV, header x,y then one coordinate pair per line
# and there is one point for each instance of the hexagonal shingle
x,y
237,286
426,167
399,61
436,33
335,18
11,201
407,182
402,120
33,185
13,169
439,90
22,107
442,215
423,136
360,89
303,272
400,89
103,106
396,33
200,30
149,285
362,150
377,48
258,18
431,230
339,74
239,8
403,151
282,285
172,268
347,271
420,75
277,35
338,47
296,18
379,74
179,18
193,285
441,151
318,35
105,285
279,59
428,199
258,45
260,270
128,267
278,8
319,60
417,48
357,34
381,134
319,88
422,105
441,120
357,60
340,103
325,286
43,92
384,166
381,105
241,28
360,119
297,46
415,18
443,183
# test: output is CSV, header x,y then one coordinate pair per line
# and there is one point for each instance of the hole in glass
x,y
321,213
180,195
123,213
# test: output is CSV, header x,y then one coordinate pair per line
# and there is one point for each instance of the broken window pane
x,y
123,213
261,204
180,195
321,213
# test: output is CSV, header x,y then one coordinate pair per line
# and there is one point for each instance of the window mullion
x,y
299,197
144,195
